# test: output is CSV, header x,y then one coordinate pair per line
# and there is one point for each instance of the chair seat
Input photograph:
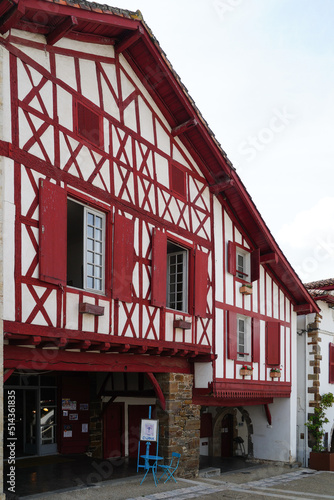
x,y
171,468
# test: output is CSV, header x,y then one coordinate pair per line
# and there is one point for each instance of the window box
x,y
184,325
246,371
246,289
86,308
275,373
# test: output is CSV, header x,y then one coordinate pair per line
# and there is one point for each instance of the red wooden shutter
x,y
232,258
331,363
123,261
256,340
52,233
255,265
232,335
159,268
273,343
201,283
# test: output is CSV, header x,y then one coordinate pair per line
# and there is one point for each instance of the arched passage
x,y
237,422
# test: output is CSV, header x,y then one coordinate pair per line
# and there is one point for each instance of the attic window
x,y
178,181
88,124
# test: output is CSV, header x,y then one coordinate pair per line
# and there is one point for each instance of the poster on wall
x,y
149,430
84,428
83,406
67,431
67,404
73,416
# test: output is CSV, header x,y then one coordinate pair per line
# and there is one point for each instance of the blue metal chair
x,y
171,468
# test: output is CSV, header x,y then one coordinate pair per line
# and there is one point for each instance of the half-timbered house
x,y
136,269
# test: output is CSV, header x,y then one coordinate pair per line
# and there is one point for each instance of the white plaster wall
x,y
203,375
272,442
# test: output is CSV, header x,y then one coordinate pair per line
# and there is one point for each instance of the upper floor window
x,y
243,263
85,247
244,342
177,277
173,267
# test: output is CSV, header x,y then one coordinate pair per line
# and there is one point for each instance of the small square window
x,y
89,124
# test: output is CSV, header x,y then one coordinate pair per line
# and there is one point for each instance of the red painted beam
x,y
303,308
269,257
215,401
9,20
222,186
128,41
268,414
158,391
183,127
59,360
61,30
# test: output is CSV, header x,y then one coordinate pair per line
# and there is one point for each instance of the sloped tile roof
x,y
320,285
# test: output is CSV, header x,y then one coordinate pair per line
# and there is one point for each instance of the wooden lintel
x,y
9,20
122,348
128,41
222,186
87,308
61,30
169,352
269,257
183,127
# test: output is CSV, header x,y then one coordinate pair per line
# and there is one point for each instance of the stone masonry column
x,y
179,424
313,381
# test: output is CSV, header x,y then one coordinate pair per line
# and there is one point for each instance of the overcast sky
x,y
262,74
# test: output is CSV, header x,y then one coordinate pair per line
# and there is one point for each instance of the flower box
x,y
246,371
246,289
275,373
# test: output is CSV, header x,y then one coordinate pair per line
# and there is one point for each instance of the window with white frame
x,y
85,247
177,277
243,265
244,332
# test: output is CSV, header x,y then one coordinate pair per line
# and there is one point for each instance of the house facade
x,y
136,269
315,364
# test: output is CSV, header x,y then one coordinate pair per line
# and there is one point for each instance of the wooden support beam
x,y
183,127
128,41
268,414
61,30
158,391
303,308
269,257
222,186
9,20
7,374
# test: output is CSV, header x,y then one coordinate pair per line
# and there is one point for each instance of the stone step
x,y
211,471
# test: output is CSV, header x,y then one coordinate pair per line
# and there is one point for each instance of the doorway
x,y
227,436
34,423
113,419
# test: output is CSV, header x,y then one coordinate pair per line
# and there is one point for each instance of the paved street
x,y
257,483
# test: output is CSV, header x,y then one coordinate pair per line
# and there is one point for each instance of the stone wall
x,y
179,423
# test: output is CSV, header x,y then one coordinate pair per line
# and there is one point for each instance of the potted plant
x,y
320,457
275,372
246,370
246,289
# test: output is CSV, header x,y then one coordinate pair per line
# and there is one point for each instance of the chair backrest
x,y
174,456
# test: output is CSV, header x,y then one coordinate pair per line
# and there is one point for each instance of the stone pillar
x,y
179,424
313,382
95,429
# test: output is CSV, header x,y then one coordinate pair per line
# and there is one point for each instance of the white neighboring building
x,y
315,365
